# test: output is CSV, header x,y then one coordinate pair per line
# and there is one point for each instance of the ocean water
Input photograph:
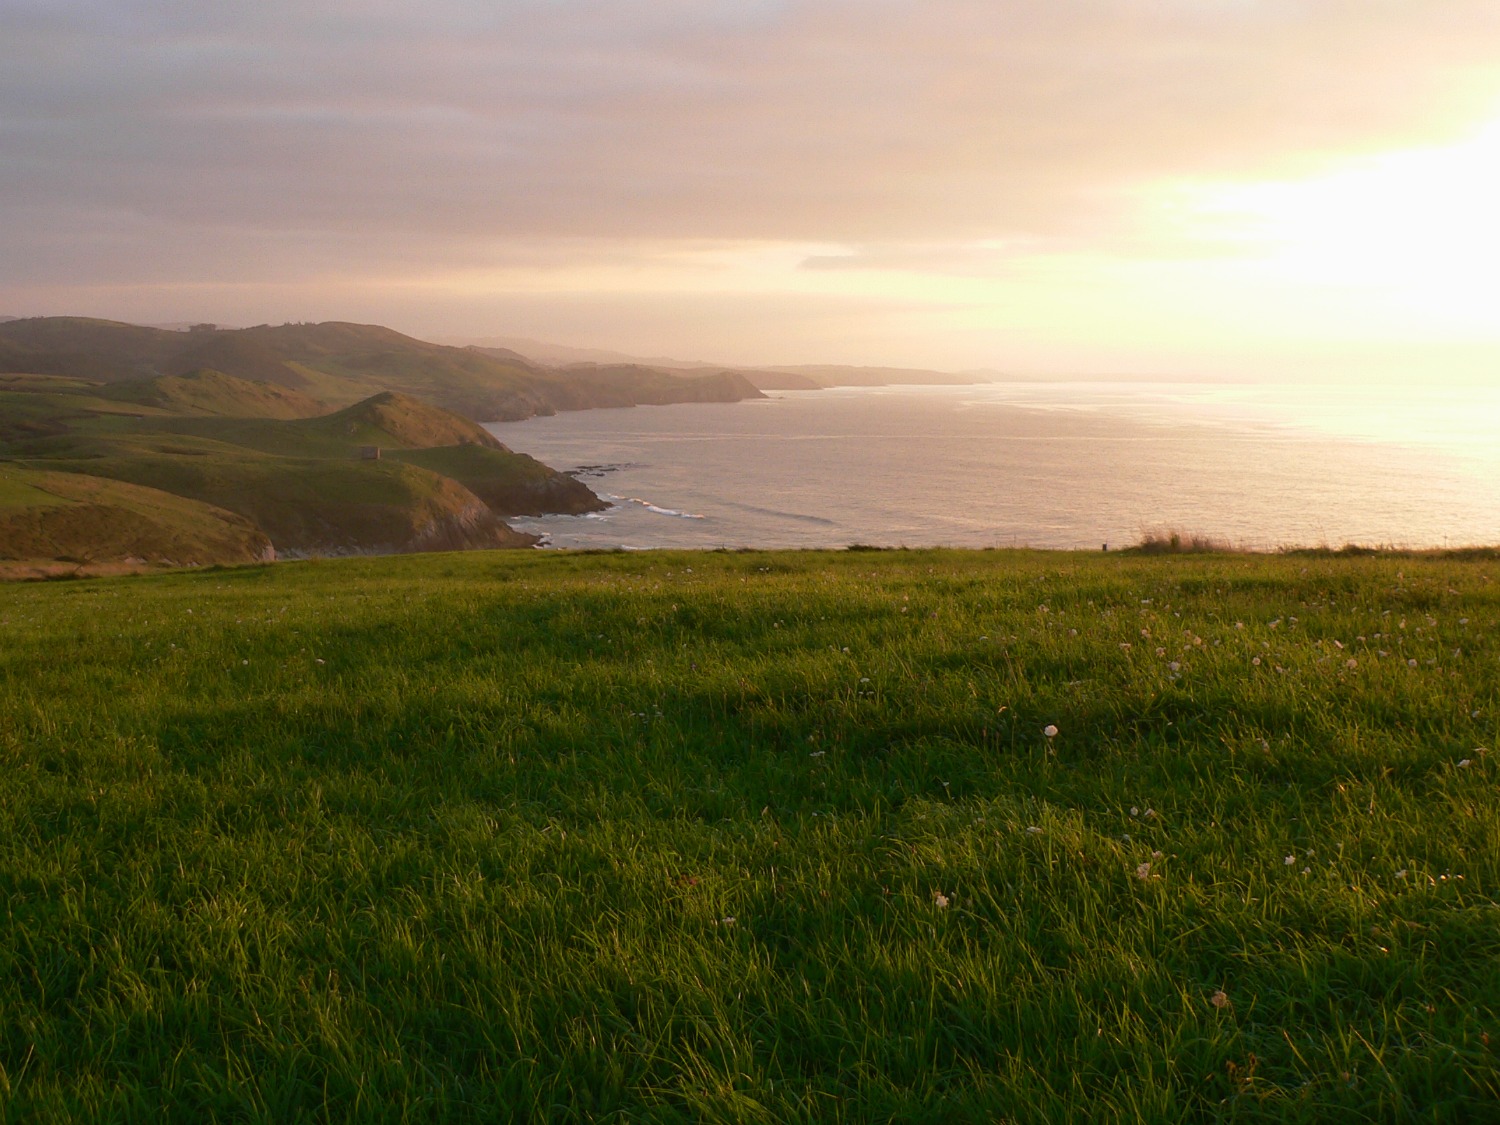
x,y
1041,464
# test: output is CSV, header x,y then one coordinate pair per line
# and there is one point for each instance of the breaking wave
x,y
650,507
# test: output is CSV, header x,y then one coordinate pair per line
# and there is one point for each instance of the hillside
x,y
340,364
307,505
79,518
292,478
856,837
390,418
212,393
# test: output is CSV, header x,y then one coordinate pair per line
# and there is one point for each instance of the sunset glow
x,y
1129,188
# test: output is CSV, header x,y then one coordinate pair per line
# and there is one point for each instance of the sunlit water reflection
x,y
1046,464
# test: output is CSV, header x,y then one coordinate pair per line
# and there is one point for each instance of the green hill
x,y
297,481
391,418
79,518
209,392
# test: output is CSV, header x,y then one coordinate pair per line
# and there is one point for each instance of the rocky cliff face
x,y
472,527
539,496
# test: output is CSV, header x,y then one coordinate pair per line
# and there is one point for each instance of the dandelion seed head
x,y
1050,730
1219,999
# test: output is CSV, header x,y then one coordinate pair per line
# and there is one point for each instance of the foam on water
x,y
653,508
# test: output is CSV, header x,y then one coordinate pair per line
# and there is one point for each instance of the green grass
x,y
214,394
19,490
81,519
754,837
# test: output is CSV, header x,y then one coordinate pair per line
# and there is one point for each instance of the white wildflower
x,y
1050,731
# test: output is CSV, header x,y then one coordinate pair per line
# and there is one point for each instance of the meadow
x,y
817,837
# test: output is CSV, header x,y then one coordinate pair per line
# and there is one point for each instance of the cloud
x,y
196,142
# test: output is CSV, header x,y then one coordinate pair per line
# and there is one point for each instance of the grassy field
x,y
754,837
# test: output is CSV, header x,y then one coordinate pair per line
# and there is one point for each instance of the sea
x,y
1050,464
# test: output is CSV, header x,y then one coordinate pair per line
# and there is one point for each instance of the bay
x,y
1060,464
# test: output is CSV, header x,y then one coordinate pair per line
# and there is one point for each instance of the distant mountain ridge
x,y
765,376
341,363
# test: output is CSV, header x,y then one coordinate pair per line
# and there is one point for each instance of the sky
x,y
1229,188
